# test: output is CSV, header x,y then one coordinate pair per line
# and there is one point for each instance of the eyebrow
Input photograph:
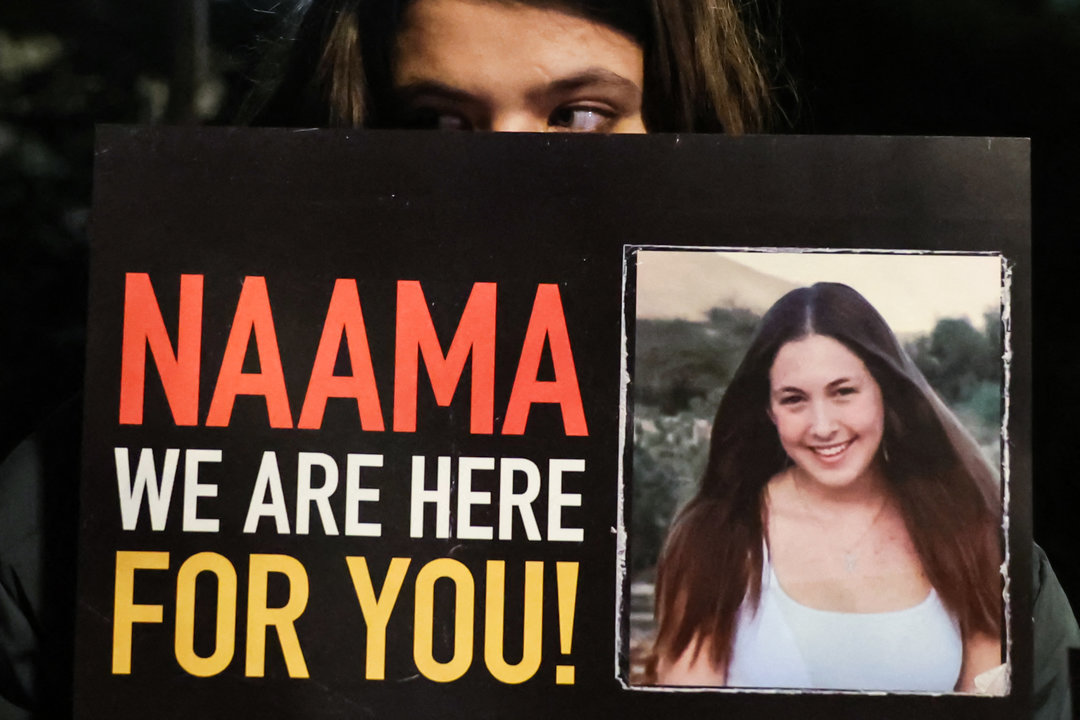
x,y
831,385
420,88
591,77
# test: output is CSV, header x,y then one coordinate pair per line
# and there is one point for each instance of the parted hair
x,y
333,64
948,494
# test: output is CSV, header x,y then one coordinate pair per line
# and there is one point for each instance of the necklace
x,y
850,553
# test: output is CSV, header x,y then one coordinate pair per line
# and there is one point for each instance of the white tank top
x,y
788,645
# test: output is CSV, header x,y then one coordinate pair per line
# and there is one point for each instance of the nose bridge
x,y
823,417
517,120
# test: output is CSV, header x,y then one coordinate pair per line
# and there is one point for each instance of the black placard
x,y
495,280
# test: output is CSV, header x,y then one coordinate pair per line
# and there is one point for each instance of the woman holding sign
x,y
532,65
847,531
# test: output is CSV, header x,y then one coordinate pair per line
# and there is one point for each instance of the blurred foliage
x,y
710,352
682,368
64,67
964,366
956,358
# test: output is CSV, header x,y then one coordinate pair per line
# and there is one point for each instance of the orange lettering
x,y
179,371
547,321
344,320
416,334
252,316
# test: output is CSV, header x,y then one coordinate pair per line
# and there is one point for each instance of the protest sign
x,y
363,408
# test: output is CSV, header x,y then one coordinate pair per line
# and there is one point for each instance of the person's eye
x,y
581,118
429,118
791,399
846,390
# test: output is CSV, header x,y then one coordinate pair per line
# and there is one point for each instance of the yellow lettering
x,y
424,624
283,619
376,610
493,623
225,637
125,612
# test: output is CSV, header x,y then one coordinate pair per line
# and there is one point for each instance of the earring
x,y
884,450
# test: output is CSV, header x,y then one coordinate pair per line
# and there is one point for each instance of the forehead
x,y
479,45
815,360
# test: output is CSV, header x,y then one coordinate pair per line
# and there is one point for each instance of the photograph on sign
x,y
818,478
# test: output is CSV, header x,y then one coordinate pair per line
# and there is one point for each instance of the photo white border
x,y
621,574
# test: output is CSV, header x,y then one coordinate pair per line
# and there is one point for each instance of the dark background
x,y
940,67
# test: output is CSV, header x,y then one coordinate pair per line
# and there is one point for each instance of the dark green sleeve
x,y
1055,632
38,523
20,580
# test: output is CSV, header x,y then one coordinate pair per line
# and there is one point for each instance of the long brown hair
x,y
948,494
334,64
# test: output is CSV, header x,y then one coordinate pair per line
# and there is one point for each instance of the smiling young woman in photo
x,y
854,521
